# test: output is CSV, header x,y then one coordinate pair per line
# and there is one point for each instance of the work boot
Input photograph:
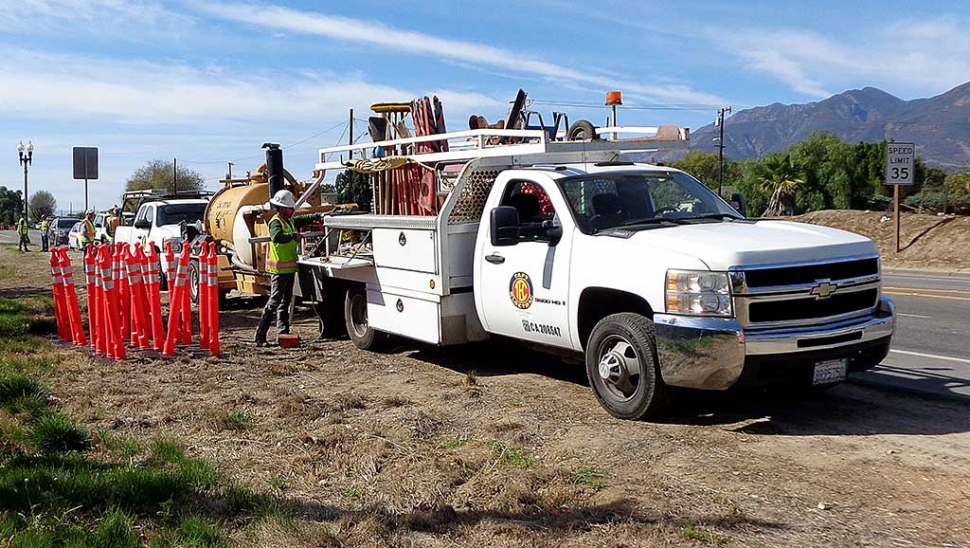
x,y
262,329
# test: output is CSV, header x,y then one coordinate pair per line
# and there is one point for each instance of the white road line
x,y
932,356
914,316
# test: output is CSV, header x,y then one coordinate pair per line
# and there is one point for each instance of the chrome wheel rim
x,y
358,315
619,368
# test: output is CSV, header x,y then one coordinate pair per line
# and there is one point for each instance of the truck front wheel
x,y
361,333
621,363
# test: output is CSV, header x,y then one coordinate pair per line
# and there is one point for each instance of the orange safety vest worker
x,y
282,257
87,232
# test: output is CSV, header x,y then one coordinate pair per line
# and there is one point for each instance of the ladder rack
x,y
490,143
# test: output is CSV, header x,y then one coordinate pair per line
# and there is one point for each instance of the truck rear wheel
x,y
622,366
361,333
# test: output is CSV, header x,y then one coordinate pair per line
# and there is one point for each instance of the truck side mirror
x,y
552,231
504,224
143,224
738,203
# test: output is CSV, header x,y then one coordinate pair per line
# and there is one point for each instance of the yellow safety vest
x,y
282,257
43,226
21,227
87,232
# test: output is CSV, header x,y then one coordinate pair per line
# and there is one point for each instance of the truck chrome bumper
x,y
710,353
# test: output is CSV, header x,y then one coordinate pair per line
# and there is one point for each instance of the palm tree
x,y
780,177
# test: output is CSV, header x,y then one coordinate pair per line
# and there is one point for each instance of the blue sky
x,y
207,82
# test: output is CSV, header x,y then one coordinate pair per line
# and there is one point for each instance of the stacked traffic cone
x,y
149,264
204,297
139,300
60,307
92,299
176,299
70,301
213,300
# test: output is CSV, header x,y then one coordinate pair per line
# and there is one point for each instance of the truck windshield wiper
x,y
721,216
651,220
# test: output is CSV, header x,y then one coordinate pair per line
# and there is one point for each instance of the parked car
x,y
74,237
61,228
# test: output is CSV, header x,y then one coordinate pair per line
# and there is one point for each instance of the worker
x,y
22,229
87,230
111,223
281,264
44,235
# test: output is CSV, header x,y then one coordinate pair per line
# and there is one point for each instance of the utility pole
x,y
719,122
351,133
175,175
230,171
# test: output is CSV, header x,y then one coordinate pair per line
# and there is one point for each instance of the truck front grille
x,y
802,294
812,308
808,274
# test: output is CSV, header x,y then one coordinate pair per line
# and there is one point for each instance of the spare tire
x,y
582,130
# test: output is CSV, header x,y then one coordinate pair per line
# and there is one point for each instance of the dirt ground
x,y
926,241
494,445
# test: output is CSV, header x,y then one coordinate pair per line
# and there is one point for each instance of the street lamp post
x,y
719,122
26,154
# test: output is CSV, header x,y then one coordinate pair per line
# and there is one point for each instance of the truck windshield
x,y
174,214
628,199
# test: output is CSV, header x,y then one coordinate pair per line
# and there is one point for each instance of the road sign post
x,y
86,167
900,170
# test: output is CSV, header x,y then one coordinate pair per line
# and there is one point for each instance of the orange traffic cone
x,y
149,264
60,310
213,317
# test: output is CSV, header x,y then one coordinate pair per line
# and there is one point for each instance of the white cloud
x,y
405,41
919,58
68,87
135,18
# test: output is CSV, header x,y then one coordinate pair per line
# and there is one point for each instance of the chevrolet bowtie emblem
x,y
823,289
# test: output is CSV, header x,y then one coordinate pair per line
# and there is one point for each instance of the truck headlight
x,y
699,293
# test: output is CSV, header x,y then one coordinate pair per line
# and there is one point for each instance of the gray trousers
x,y
280,295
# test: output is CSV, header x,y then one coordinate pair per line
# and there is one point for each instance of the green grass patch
x,y
590,477
233,419
55,432
6,273
121,446
700,535
451,444
167,451
509,456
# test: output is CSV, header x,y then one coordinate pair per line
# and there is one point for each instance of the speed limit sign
x,y
900,163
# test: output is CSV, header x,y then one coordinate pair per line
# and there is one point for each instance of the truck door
x,y
142,225
521,289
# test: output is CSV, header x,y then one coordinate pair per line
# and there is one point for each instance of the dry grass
x,y
401,449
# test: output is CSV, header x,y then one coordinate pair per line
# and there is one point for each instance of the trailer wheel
x,y
361,333
623,369
581,130
194,281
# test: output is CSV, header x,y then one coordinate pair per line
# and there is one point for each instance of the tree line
x,y
823,172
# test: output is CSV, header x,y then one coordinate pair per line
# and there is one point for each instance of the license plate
x,y
829,371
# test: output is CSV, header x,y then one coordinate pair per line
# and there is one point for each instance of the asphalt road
x,y
931,348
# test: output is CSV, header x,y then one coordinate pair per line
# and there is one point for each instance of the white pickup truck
x,y
160,221
639,270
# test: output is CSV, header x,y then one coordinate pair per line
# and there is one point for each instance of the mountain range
x,y
939,126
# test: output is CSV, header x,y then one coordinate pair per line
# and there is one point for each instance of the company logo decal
x,y
823,289
520,290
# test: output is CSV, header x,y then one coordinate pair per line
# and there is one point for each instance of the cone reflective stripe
x,y
204,297
176,301
73,308
150,264
89,282
60,310
213,317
